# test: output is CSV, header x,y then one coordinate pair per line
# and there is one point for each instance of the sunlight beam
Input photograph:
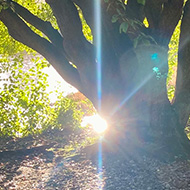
x,y
97,16
97,42
100,163
133,93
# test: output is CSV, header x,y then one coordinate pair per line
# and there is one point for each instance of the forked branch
x,y
21,32
75,44
44,26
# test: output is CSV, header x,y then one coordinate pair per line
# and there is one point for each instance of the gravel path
x,y
147,174
41,169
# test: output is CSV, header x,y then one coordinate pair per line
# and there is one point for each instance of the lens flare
x,y
98,123
100,172
97,41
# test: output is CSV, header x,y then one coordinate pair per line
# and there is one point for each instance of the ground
x,y
50,162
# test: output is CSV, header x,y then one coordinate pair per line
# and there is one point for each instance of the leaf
x,y
114,18
142,2
123,27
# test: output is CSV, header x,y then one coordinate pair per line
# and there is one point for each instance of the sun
x,y
97,123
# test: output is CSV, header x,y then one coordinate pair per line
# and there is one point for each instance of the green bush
x,y
66,114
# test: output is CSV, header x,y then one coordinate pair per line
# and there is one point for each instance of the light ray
x,y
97,16
98,50
133,93
100,163
156,60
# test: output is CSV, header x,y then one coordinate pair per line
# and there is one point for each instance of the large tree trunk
x,y
133,87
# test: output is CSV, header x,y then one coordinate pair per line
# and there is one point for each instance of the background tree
x,y
134,59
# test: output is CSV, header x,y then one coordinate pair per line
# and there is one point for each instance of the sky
x,y
56,82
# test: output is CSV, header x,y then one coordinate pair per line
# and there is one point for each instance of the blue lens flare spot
x,y
155,69
154,56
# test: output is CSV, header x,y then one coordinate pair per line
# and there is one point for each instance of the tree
x,y
134,59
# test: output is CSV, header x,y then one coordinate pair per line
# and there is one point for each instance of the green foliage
x,y
145,22
65,114
123,27
128,25
24,104
142,2
85,28
143,39
25,107
115,18
171,91
172,61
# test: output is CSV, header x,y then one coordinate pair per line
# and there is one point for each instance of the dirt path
x,y
43,166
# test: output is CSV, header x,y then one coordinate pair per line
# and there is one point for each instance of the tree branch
x,y
75,44
170,16
67,18
41,25
182,92
22,33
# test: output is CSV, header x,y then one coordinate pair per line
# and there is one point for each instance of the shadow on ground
x,y
11,161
